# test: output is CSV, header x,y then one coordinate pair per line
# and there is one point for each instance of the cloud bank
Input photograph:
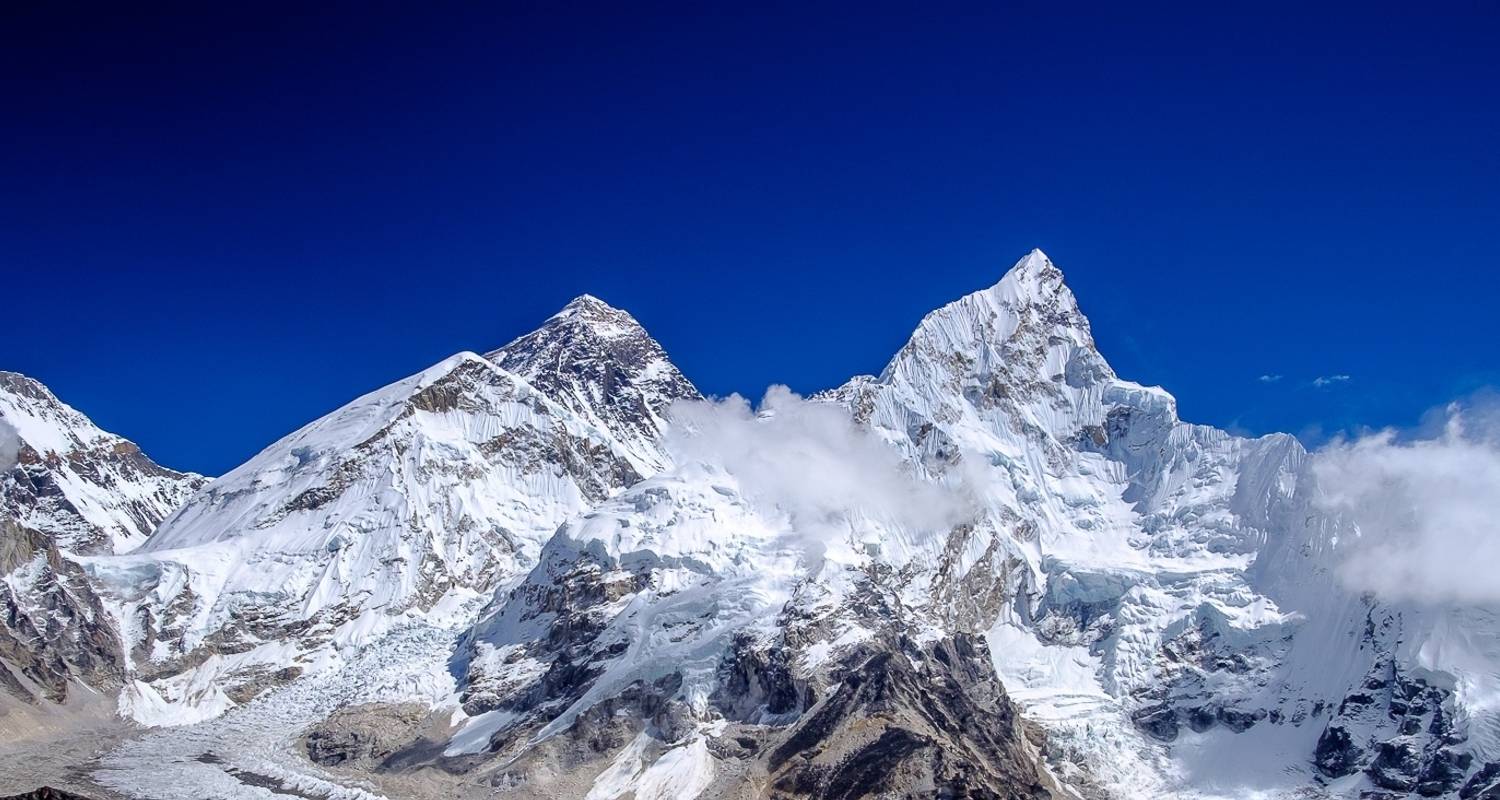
x,y
810,461
1428,510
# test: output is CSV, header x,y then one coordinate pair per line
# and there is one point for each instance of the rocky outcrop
x,y
598,362
1397,727
46,793
90,490
910,721
67,489
363,734
53,628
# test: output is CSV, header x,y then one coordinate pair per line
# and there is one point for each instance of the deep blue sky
x,y
217,225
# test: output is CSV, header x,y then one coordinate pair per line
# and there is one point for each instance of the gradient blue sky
x,y
217,225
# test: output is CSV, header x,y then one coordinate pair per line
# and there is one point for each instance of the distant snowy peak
x,y
598,362
1030,307
60,474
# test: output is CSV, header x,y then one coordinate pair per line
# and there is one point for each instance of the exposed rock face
x,y
91,491
46,793
53,628
363,733
598,362
1484,784
906,721
67,490
1396,726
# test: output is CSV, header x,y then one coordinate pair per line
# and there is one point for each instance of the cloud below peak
x,y
809,461
1428,510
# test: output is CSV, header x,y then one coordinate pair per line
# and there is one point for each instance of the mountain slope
x,y
598,362
67,488
414,501
1140,581
997,569
92,491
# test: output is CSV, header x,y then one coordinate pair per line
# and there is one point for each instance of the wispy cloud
x,y
1269,378
1323,381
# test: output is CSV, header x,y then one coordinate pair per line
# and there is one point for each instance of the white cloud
x,y
1428,510
10,445
810,461
1328,380
1269,378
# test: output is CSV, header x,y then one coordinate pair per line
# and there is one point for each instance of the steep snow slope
x,y
1157,594
92,491
66,488
415,500
409,500
598,362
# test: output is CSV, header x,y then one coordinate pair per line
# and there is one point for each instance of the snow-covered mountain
x,y
415,500
599,363
1158,595
67,489
90,490
997,569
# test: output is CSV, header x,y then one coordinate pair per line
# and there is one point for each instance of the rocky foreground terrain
x,y
995,570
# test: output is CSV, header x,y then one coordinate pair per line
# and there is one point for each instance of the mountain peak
x,y
598,361
1035,277
587,301
603,319
89,490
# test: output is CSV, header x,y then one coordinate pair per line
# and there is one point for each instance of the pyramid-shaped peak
x,y
586,302
1034,260
1033,275
599,362
596,316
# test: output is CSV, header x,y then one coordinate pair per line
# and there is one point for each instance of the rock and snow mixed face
x,y
598,362
417,499
1158,594
67,489
689,597
90,490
